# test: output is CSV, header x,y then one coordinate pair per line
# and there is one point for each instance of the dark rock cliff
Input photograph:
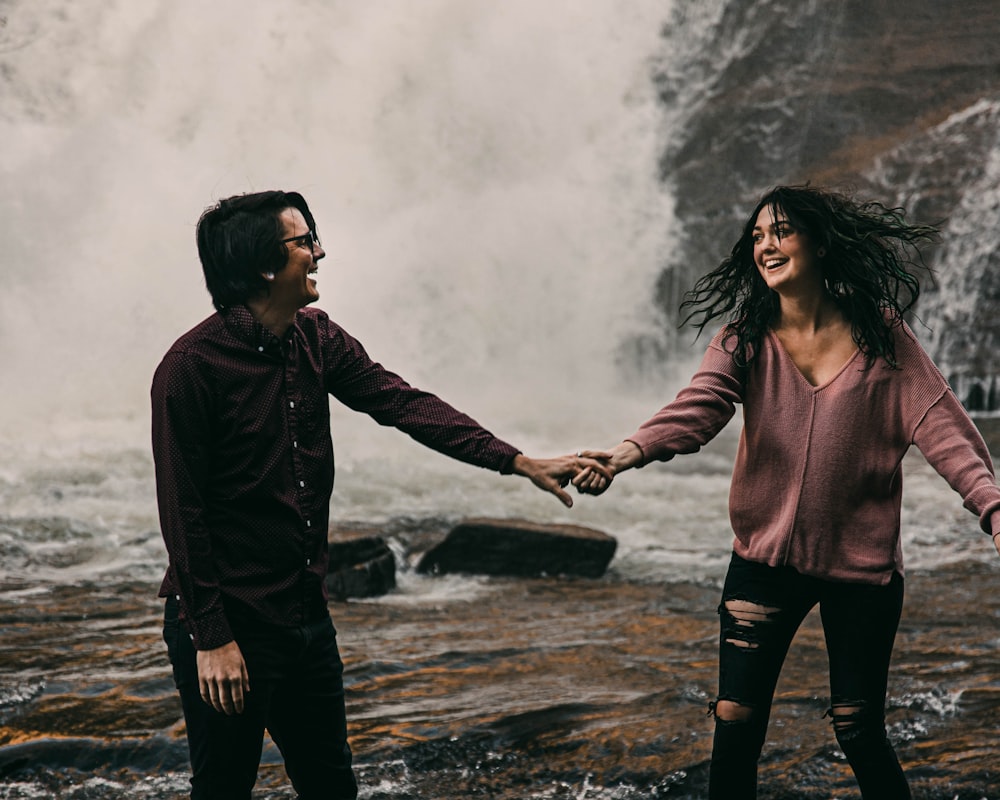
x,y
896,101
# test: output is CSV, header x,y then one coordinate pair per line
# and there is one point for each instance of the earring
x,y
269,276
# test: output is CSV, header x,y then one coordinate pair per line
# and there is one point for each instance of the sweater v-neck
x,y
813,387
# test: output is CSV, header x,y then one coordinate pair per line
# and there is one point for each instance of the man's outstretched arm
x,y
366,386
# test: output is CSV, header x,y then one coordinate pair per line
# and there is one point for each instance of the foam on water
x,y
86,510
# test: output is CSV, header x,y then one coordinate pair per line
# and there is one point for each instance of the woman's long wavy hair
x,y
870,265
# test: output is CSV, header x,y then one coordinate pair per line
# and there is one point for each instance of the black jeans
x,y
762,608
296,694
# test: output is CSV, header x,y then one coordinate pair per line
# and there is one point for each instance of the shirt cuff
x,y
210,631
507,467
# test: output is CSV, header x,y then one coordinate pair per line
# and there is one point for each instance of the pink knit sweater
x,y
818,478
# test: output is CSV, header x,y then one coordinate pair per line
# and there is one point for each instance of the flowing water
x,y
484,176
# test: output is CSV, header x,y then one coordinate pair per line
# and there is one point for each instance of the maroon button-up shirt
x,y
244,461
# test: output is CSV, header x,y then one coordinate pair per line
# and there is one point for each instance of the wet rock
x,y
361,564
517,547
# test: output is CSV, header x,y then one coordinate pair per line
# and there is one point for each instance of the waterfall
x,y
483,174
486,184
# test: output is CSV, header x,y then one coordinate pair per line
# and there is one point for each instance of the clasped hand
x,y
590,471
618,459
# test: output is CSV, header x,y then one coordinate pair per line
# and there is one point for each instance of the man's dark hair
x,y
239,239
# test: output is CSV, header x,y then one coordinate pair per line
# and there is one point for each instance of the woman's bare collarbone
x,y
821,354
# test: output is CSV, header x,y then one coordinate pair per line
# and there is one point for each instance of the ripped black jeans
x,y
762,608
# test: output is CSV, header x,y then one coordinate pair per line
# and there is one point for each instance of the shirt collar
x,y
244,326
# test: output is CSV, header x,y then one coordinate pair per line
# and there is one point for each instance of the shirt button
x,y
309,523
261,349
295,444
302,483
308,561
291,404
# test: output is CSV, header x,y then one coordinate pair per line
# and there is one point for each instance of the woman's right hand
x,y
618,459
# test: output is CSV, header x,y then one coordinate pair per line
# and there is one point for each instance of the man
x,y
244,472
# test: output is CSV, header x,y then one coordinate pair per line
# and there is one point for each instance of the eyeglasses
x,y
307,240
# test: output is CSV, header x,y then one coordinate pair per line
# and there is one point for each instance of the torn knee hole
x,y
847,717
741,617
748,613
730,711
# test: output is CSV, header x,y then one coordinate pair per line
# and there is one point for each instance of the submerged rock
x,y
517,547
361,565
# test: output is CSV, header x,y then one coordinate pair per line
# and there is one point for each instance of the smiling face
x,y
785,257
295,286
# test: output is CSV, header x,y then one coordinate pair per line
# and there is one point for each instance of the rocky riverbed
x,y
502,688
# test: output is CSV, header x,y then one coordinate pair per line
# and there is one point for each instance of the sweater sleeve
x,y
700,410
952,445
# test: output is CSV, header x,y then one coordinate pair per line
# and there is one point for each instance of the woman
x,y
834,389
